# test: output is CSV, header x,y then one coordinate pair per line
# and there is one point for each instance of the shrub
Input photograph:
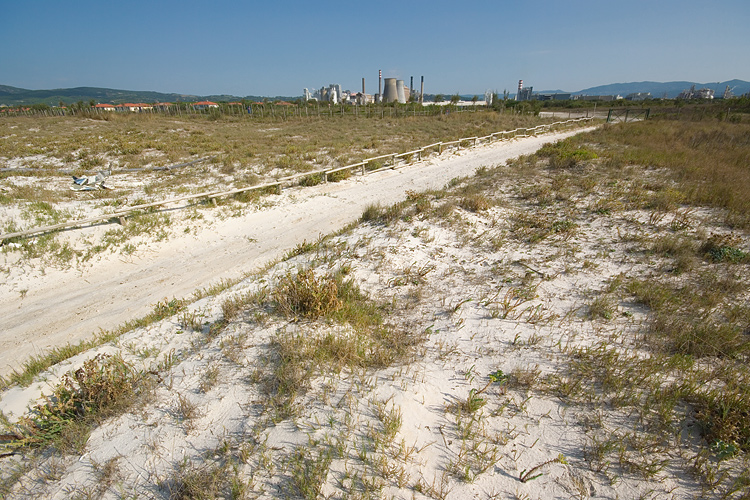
x,y
306,295
311,180
474,203
103,385
565,154
340,175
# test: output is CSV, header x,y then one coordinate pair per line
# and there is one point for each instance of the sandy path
x,y
66,306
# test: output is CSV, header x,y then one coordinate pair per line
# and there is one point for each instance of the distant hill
x,y
671,89
14,96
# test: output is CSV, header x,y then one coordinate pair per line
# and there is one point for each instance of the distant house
x,y
104,107
162,106
135,108
205,105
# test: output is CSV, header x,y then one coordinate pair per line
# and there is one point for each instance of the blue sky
x,y
278,47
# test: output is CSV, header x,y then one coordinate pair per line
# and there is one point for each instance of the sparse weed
x,y
529,475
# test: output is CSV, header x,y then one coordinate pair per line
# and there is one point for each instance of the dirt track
x,y
67,306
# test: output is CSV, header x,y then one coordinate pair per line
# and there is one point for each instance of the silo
x,y
390,93
400,91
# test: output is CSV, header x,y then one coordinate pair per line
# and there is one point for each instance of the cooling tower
x,y
400,91
390,93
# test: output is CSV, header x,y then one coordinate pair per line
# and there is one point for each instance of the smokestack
x,y
380,82
363,88
421,91
411,85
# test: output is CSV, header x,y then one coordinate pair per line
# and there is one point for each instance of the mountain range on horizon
x,y
660,89
14,96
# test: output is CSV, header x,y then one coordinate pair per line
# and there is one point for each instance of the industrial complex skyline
x,y
278,48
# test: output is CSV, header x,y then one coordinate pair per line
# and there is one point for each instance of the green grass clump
x,y
695,319
103,386
566,154
383,215
474,203
306,295
724,415
723,248
355,335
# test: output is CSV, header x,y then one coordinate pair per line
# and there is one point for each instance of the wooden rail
x,y
121,215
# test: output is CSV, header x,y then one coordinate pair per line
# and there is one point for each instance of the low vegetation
x,y
599,286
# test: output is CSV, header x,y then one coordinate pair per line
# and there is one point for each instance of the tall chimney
x,y
421,91
380,82
363,87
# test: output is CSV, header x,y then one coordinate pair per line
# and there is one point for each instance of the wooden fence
x,y
368,166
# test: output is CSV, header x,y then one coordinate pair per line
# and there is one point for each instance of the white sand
x,y
434,453
66,306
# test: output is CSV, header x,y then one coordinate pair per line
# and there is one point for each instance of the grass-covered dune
x,y
568,324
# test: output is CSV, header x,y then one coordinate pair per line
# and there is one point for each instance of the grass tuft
x,y
103,386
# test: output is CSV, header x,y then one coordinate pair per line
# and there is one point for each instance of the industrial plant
x,y
691,93
394,91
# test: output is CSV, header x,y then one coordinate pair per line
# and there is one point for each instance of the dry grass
x,y
240,147
708,160
663,395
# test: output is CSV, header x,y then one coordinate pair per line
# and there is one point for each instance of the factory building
x,y
696,94
395,91
524,93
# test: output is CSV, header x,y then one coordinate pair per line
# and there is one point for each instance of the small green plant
x,y
300,249
724,450
720,248
602,307
309,473
565,154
